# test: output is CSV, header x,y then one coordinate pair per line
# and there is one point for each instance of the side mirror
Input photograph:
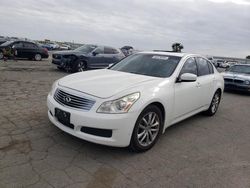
x,y
94,53
187,77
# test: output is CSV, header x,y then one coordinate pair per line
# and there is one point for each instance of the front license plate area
x,y
63,117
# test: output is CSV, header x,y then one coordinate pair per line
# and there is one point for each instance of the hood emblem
x,y
67,99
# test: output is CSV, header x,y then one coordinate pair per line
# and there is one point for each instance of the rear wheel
x,y
147,129
214,104
38,57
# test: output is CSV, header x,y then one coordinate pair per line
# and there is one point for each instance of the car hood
x,y
236,75
103,83
69,52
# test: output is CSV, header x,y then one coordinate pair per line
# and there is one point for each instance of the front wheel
x,y
147,129
214,104
80,66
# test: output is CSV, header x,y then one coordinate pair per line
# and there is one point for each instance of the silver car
x,y
237,77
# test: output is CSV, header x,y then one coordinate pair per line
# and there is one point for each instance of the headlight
x,y
247,82
118,106
53,87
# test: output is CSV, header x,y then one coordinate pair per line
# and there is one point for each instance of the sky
x,y
208,27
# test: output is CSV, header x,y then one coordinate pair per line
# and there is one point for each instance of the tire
x,y
147,130
214,105
80,66
1,55
38,57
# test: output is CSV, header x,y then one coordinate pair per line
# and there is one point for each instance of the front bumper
x,y
122,125
58,62
239,87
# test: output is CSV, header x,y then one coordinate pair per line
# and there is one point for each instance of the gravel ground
x,y
198,152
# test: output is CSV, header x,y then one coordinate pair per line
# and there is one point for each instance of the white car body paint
x,y
180,100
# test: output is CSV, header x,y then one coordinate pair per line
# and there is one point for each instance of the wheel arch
x,y
162,109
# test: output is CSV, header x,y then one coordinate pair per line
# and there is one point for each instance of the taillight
x,y
45,50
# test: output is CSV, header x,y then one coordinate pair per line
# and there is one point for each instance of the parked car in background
x,y
134,101
231,63
237,77
220,62
64,47
23,49
127,50
213,61
54,45
47,46
87,57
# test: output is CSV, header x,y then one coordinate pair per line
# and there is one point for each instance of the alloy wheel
x,y
148,129
81,67
215,102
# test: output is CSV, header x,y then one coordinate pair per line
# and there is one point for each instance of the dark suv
x,y
87,57
23,49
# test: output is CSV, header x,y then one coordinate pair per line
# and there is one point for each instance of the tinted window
x,y
211,68
108,50
148,64
115,51
202,67
99,50
189,67
29,45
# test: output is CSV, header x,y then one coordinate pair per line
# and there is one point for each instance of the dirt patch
x,y
22,146
103,175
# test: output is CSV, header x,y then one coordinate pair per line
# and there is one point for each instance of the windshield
x,y
87,48
6,43
244,69
148,64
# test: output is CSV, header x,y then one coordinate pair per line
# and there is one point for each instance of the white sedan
x,y
134,101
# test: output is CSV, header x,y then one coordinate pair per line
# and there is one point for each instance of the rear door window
x,y
203,68
108,50
211,68
29,45
99,50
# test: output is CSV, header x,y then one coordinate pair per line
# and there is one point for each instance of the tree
x,y
177,47
248,57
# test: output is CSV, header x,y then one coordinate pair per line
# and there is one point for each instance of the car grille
x,y
73,101
239,81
